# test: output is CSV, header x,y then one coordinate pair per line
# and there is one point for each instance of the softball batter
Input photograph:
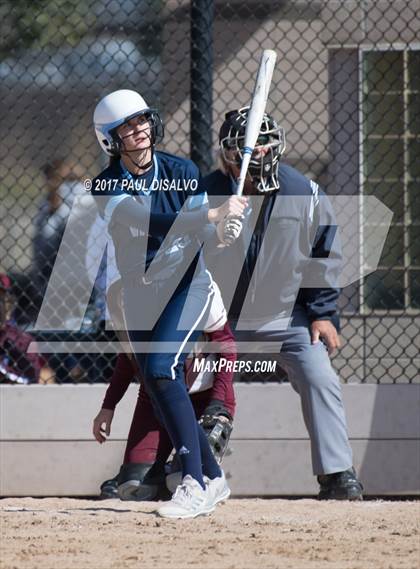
x,y
140,196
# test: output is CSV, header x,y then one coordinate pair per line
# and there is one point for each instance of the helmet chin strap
x,y
139,165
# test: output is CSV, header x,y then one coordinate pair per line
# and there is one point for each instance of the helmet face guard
x,y
156,131
270,145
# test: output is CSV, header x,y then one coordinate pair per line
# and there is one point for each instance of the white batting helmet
x,y
117,108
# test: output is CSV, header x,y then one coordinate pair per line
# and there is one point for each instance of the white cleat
x,y
188,501
218,489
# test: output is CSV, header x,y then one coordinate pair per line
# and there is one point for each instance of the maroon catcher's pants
x,y
147,440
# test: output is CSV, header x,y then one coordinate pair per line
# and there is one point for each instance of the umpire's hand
x,y
102,425
326,331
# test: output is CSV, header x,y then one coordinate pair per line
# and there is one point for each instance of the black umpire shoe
x,y
340,486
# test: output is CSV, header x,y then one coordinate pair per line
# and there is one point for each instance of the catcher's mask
x,y
271,144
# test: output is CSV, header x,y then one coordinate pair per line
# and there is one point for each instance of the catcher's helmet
x,y
117,108
263,165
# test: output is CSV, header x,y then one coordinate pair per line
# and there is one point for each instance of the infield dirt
x,y
64,533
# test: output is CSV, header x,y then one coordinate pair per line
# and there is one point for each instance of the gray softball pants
x,y
311,375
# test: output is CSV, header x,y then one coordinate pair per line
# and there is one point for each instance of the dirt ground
x,y
64,533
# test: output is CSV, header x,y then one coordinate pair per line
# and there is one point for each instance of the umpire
x,y
285,254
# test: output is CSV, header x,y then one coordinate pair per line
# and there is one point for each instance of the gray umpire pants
x,y
311,375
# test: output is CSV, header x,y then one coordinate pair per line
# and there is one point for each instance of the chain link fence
x,y
346,88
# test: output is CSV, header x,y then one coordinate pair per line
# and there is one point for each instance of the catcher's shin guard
x,y
134,484
217,423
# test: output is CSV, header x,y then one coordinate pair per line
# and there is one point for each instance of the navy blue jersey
x,y
303,228
139,208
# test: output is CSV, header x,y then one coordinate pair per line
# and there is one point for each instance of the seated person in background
x,y
16,364
142,475
62,185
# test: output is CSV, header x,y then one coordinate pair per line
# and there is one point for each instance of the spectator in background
x,y
63,185
16,364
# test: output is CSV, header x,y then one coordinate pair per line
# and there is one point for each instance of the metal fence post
x,y
201,118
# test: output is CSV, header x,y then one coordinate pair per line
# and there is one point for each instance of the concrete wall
x,y
46,447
